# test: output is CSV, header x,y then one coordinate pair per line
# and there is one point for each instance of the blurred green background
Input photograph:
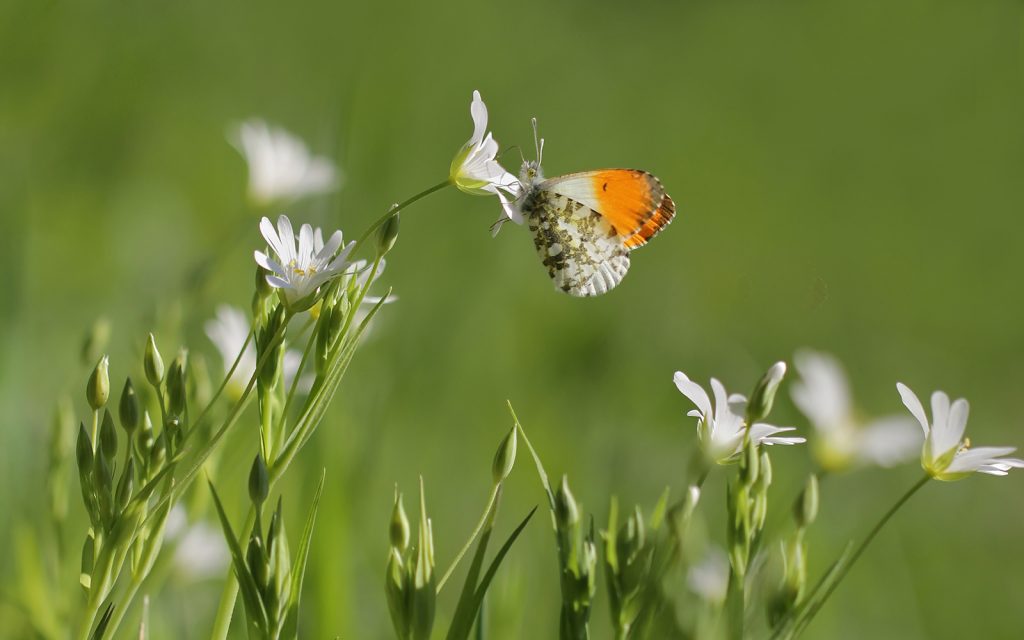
x,y
847,174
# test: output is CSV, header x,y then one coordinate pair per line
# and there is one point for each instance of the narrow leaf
x,y
291,624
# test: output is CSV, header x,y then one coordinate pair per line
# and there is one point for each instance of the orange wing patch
x,y
634,202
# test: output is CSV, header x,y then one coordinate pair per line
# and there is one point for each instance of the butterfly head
x,y
531,173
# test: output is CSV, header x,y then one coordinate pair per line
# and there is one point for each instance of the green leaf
x,y
536,460
250,592
291,624
470,603
101,626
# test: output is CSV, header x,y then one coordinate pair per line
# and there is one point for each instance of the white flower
x,y
721,428
475,170
709,578
300,269
281,168
228,332
201,552
823,395
946,454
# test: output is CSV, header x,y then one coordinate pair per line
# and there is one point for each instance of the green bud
x,y
763,397
567,512
263,288
764,478
153,363
387,235
176,385
83,450
95,341
108,437
128,409
88,551
424,591
259,481
266,340
396,586
279,579
158,454
398,531
749,463
505,457
805,510
256,558
97,390
126,486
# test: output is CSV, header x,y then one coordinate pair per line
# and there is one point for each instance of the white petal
x,y
269,264
478,110
278,283
822,393
287,236
913,405
694,392
305,252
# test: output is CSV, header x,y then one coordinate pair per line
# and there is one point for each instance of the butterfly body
x,y
584,225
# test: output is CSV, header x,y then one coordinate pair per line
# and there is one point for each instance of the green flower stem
x,y
342,354
812,605
298,374
803,618
395,209
486,519
345,348
220,389
92,609
95,429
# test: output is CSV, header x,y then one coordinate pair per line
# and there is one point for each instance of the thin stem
x,y
813,610
395,209
92,608
479,527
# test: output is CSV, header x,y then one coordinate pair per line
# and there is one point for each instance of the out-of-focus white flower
x,y
946,454
304,265
281,167
228,332
709,578
823,395
201,551
475,170
720,428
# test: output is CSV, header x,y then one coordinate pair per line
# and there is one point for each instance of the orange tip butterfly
x,y
584,225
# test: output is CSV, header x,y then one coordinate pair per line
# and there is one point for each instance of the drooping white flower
x,y
823,395
720,428
228,332
281,167
946,454
303,265
201,552
475,170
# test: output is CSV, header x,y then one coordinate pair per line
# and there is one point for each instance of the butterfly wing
x,y
632,201
585,224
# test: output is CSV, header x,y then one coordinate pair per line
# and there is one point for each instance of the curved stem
x,y
479,527
818,604
395,209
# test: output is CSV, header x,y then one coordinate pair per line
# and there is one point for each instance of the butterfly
x,y
584,225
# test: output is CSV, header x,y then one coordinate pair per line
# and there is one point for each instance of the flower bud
x,y
108,437
128,409
387,234
399,529
263,288
256,558
97,390
88,550
126,486
749,462
567,512
153,363
805,510
763,397
158,454
505,457
176,385
259,481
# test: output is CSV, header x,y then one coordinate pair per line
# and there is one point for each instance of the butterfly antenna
x,y
538,142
